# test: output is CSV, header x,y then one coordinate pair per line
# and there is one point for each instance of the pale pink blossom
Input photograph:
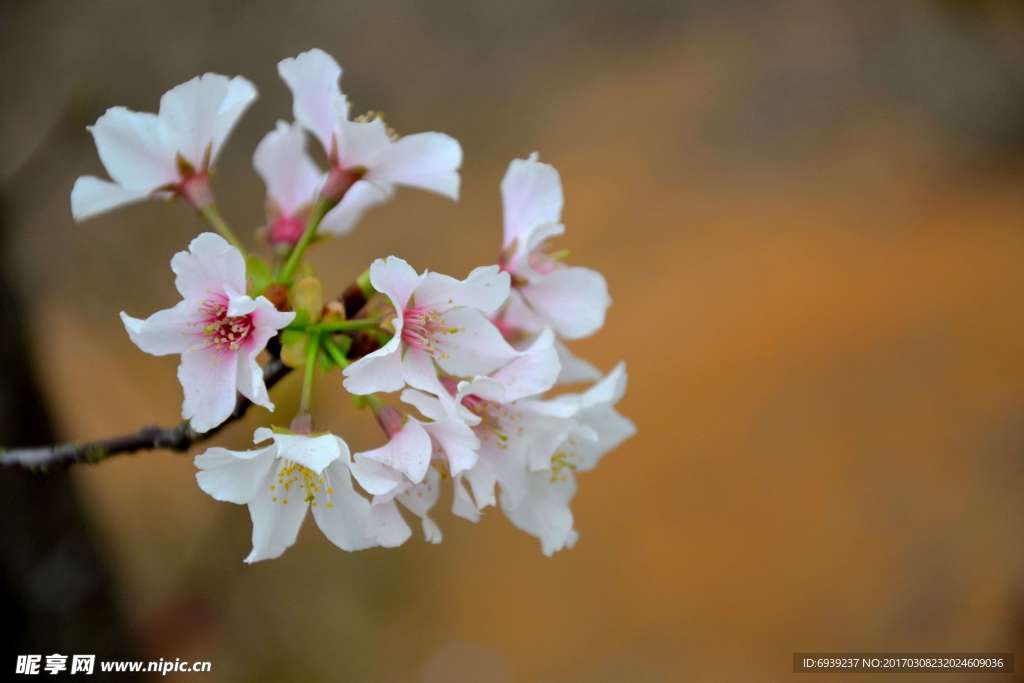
x,y
218,330
545,291
170,152
292,181
540,506
435,319
367,159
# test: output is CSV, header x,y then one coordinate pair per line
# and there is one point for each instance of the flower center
x,y
294,480
420,327
495,420
224,332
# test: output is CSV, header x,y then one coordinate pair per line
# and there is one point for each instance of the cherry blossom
x,y
217,329
475,359
511,425
367,159
540,507
170,152
281,481
570,299
435,319
292,181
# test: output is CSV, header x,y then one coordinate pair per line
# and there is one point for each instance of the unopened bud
x,y
308,295
334,312
293,348
277,294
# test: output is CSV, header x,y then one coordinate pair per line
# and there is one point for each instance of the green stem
x,y
346,325
355,325
320,210
212,216
312,350
335,353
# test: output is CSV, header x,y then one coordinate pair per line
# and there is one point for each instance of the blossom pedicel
x,y
456,372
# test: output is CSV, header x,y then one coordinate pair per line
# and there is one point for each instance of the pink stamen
x,y
474,404
419,327
223,332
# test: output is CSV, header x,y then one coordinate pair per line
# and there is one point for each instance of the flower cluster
x,y
464,376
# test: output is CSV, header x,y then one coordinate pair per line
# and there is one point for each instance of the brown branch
x,y
179,438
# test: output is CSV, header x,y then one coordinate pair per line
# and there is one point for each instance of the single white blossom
x,y
541,507
436,319
367,159
217,329
281,481
545,291
168,152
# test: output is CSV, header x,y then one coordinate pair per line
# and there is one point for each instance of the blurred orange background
x,y
809,215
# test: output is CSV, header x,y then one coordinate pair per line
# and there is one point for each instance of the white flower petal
x,y
420,499
534,371
275,524
482,479
544,512
574,368
132,149
375,478
457,441
531,194
209,267
250,379
209,378
419,372
317,100
92,196
312,452
387,525
429,161
262,434
430,406
239,304
573,300
172,330
612,430
408,451
397,279
609,390
517,316
266,318
474,347
200,113
462,505
378,371
362,143
485,289
291,177
362,196
233,476
343,515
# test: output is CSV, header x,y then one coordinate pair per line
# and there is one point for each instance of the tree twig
x,y
180,437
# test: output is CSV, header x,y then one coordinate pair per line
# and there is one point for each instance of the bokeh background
x,y
810,216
